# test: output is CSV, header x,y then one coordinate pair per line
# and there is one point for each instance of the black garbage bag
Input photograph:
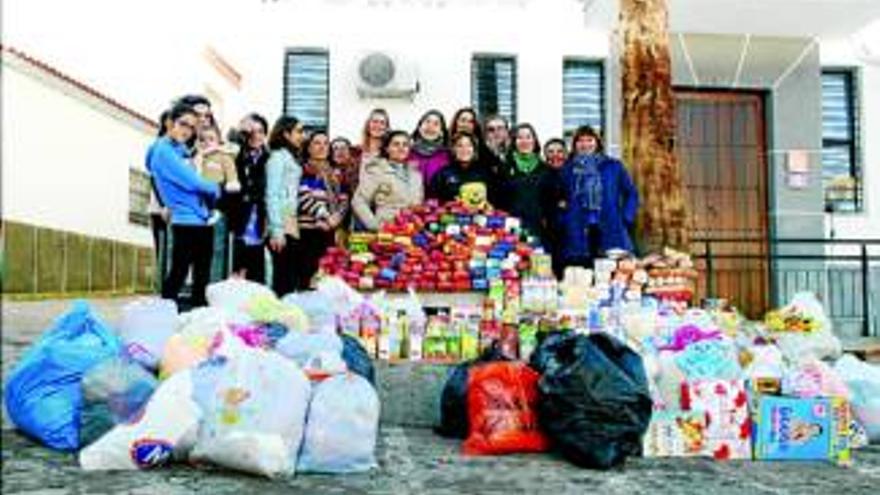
x,y
453,399
595,405
544,356
357,359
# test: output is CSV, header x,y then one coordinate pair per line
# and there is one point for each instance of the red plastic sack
x,y
502,410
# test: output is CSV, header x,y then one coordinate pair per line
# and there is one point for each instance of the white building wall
x,y
66,161
864,225
439,41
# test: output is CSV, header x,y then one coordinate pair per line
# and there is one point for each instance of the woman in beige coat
x,y
389,184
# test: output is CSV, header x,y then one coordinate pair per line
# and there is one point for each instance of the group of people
x,y
298,193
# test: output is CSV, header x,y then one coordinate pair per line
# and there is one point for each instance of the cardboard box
x,y
728,424
789,428
676,433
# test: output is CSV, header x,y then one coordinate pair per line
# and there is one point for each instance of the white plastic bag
x,y
345,299
342,427
167,429
318,354
233,293
254,404
318,307
863,380
802,347
766,362
146,326
205,322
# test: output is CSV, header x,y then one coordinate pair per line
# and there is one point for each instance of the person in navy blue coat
x,y
600,203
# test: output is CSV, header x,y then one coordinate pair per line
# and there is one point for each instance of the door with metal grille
x,y
720,142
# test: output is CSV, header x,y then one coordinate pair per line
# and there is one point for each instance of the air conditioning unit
x,y
386,75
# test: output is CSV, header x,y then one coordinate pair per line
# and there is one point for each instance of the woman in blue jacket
x,y
601,202
187,196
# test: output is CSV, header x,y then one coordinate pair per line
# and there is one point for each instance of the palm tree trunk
x,y
648,124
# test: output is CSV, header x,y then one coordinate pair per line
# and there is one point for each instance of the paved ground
x,y
412,460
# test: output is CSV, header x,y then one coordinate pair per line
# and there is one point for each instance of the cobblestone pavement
x,y
411,460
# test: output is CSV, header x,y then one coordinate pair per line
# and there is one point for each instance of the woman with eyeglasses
x,y
187,197
523,176
496,142
429,150
390,184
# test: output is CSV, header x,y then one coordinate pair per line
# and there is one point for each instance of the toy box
x,y
789,428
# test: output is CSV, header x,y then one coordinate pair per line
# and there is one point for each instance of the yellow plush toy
x,y
474,196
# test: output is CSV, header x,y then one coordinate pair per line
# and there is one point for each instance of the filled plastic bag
x,y
207,321
318,354
344,298
146,326
596,406
165,431
317,306
502,410
268,309
234,293
185,351
803,331
342,427
254,404
863,380
813,379
765,361
115,391
43,395
356,358
454,398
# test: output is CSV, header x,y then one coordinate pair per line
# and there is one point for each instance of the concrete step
x,y
410,392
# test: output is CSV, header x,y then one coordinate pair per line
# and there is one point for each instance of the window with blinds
x,y
583,95
841,173
493,86
307,87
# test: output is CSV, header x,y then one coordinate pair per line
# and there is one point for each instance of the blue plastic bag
x,y
357,359
115,391
43,395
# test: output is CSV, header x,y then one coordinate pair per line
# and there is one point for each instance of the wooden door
x,y
721,146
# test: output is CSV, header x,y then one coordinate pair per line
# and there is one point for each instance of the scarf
x,y
588,182
526,163
427,147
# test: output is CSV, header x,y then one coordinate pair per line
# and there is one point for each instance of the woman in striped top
x,y
322,207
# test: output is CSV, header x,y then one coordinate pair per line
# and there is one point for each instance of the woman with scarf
x,y
322,207
429,145
601,205
465,168
523,176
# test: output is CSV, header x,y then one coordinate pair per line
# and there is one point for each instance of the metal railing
x,y
758,274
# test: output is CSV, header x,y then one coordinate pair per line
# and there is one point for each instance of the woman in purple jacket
x,y
430,151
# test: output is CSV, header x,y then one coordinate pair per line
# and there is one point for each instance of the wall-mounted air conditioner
x,y
386,75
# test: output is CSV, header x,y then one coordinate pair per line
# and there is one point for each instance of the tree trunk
x,y
648,125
